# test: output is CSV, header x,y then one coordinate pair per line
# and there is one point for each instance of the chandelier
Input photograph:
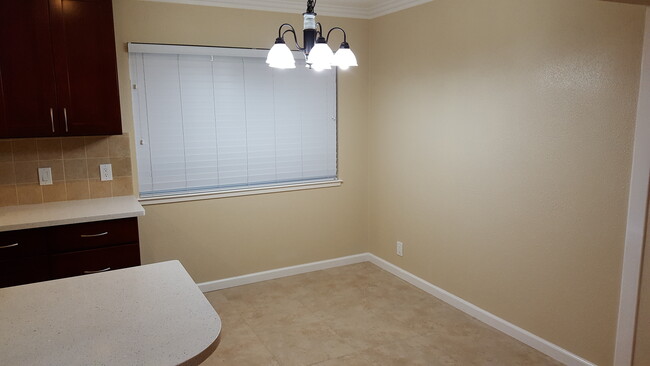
x,y
318,55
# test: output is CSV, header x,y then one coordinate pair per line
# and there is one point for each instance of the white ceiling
x,y
364,9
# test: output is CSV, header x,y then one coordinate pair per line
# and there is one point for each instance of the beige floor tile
x,y
346,316
226,310
261,294
405,353
239,346
303,341
479,346
355,359
362,327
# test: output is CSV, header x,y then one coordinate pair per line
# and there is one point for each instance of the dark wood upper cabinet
x,y
84,54
26,70
58,70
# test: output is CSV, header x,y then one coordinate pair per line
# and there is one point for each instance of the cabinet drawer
x,y
95,260
21,243
94,235
20,271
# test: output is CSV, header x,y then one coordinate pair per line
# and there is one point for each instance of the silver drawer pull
x,y
9,246
52,118
101,270
94,235
65,118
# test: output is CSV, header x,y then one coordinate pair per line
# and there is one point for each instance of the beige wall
x,y
492,137
500,137
642,343
227,237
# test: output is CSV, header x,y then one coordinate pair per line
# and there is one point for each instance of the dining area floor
x,y
354,315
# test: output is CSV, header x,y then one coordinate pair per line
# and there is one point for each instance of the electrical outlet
x,y
105,172
400,248
45,176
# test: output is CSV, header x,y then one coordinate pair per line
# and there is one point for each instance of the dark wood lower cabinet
x,y
94,260
24,270
42,254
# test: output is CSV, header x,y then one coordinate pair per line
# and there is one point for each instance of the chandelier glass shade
x,y
280,57
318,54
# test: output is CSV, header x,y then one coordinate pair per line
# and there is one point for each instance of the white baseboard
x,y
522,335
281,272
490,319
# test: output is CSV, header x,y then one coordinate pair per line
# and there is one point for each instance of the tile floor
x,y
353,315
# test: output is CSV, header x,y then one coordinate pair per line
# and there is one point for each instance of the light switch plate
x,y
105,172
45,176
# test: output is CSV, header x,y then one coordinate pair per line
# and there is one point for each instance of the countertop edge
x,y
57,222
69,212
203,355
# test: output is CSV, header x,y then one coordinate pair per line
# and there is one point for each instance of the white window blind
x,y
210,119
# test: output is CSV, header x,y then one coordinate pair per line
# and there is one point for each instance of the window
x,y
210,119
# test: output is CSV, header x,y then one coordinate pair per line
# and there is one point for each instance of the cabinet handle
x,y
65,118
101,270
9,246
94,235
52,117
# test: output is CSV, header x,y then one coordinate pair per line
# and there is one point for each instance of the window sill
x,y
237,192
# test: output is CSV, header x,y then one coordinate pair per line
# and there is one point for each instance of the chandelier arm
x,y
320,29
280,34
345,36
295,38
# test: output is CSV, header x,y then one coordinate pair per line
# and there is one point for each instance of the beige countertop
x,y
68,212
149,315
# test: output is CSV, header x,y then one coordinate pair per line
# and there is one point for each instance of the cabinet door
x,y
86,67
90,235
24,270
94,260
27,85
22,243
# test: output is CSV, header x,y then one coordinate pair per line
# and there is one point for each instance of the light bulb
x,y
280,56
344,57
321,55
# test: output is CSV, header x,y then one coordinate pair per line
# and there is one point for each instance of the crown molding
x,y
393,7
287,6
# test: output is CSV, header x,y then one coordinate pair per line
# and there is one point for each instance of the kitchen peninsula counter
x,y
149,315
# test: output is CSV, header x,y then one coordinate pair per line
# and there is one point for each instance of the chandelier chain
x,y
310,6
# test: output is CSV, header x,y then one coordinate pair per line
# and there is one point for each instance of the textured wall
x,y
500,136
233,236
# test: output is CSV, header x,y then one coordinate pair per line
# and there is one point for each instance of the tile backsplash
x,y
75,168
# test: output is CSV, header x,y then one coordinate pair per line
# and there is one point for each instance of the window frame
x,y
202,194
